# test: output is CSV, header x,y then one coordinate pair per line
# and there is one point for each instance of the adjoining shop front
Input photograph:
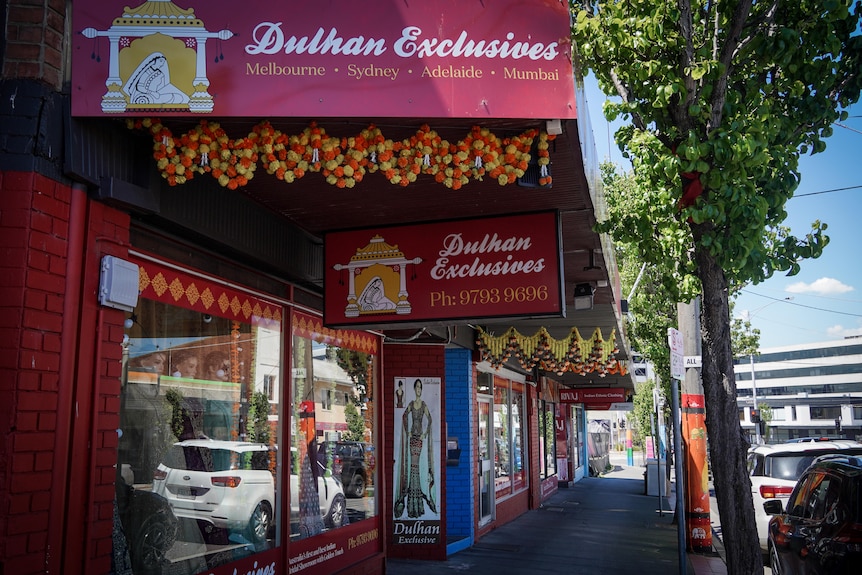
x,y
230,341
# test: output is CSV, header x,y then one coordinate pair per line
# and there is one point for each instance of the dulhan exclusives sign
x,y
377,58
467,269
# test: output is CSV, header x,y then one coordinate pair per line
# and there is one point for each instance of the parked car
x,y
774,470
226,485
820,530
149,525
348,463
810,438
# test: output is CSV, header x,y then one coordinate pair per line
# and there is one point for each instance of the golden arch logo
x,y
157,60
377,280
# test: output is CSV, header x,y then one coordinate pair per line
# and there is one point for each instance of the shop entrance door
x,y
485,463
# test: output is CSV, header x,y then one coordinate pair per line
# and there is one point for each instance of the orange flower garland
x,y
206,148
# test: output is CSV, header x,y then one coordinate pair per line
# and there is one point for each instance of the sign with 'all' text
x,y
498,267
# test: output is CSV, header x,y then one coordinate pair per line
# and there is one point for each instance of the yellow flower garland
x,y
343,162
575,354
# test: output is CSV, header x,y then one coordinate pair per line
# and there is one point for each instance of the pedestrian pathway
x,y
598,525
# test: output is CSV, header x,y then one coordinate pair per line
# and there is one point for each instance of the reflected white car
x,y
774,469
222,484
229,485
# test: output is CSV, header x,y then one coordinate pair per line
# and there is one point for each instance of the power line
x,y
848,128
789,302
826,191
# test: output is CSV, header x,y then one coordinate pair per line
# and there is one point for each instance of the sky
x,y
824,301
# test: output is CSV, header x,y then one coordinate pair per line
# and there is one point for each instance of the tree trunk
x,y
728,446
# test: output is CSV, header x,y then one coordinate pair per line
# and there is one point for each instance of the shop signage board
x,y
501,267
313,58
594,397
416,476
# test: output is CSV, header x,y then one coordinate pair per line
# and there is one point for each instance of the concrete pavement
x,y
599,525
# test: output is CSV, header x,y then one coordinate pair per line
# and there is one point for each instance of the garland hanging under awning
x,y
572,354
343,161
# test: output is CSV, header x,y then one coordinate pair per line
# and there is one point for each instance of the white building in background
x,y
813,389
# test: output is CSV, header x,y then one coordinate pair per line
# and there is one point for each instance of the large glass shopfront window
x,y
547,439
509,433
333,459
198,482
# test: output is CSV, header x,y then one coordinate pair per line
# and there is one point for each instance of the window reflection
x,y
332,441
197,480
547,439
509,436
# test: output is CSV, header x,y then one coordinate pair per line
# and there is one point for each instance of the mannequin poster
x,y
416,504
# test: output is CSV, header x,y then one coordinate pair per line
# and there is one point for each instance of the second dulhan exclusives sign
x,y
500,267
416,499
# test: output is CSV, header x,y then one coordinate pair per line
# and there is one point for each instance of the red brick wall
x,y
33,35
51,334
404,360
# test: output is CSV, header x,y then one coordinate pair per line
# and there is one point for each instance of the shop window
x,y
547,439
197,467
509,432
269,386
519,472
333,459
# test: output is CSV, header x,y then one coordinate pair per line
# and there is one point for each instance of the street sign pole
x,y
677,373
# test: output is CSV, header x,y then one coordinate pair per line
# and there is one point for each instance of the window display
x,y
509,433
197,481
547,439
332,469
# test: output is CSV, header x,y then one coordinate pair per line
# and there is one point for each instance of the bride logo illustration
x,y
157,60
377,280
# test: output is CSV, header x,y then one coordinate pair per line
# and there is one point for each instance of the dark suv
x,y
820,530
347,460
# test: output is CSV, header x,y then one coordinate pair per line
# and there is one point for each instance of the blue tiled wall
x,y
459,479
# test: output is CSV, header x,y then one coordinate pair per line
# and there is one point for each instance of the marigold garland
x,y
574,353
343,162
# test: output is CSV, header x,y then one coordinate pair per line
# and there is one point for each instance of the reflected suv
x,y
820,531
774,469
348,462
222,484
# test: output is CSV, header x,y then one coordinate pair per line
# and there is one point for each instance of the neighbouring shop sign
x,y
307,58
466,269
594,397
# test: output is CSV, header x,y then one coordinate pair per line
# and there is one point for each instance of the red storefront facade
x,y
173,351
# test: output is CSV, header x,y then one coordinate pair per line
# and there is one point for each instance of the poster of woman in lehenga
x,y
416,442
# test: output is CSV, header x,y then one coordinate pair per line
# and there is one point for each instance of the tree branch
x,y
731,43
679,111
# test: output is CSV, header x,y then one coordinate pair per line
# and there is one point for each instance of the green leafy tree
x,y
744,339
643,407
356,364
258,418
355,423
652,308
721,98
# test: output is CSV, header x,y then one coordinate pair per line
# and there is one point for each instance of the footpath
x,y
601,525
